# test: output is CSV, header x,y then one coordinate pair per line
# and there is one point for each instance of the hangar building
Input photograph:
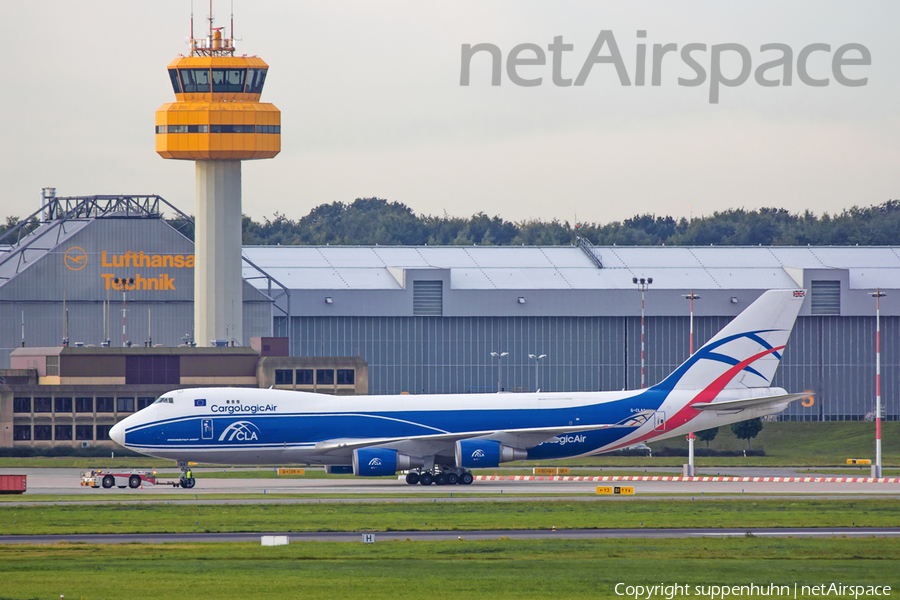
x,y
427,319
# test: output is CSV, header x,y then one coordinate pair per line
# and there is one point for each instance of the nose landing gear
x,y
186,480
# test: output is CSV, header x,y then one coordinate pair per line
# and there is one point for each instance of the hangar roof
x,y
568,267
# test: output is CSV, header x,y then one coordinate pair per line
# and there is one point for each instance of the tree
x,y
707,435
745,430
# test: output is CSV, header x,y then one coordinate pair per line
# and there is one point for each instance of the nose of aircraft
x,y
117,434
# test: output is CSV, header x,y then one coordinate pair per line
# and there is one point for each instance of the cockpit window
x,y
194,80
255,81
228,80
164,400
176,85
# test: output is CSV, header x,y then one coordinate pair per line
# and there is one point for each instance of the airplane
x,y
440,438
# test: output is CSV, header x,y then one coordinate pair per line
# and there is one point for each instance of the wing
x,y
443,443
738,405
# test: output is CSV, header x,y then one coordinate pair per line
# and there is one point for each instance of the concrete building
x,y
73,396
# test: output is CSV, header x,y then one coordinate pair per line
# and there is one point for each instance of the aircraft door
x,y
206,429
659,421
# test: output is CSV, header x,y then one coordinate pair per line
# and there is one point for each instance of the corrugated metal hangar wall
x,y
833,356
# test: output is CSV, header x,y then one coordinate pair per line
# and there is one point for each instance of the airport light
x,y
643,284
878,295
692,296
499,356
537,360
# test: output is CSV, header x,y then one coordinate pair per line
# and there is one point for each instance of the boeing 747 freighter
x,y
440,438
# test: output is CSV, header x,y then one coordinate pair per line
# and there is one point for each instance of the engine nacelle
x,y
474,454
376,462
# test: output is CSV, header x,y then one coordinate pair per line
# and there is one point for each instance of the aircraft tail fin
x,y
747,351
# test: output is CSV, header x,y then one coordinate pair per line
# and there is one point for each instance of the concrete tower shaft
x,y
218,301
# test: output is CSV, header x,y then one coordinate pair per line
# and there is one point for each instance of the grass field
x,y
496,569
788,439
461,516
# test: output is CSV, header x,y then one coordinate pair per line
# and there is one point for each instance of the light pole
x,y
499,357
643,284
690,466
536,361
878,295
692,296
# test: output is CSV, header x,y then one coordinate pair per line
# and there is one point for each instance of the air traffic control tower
x,y
217,121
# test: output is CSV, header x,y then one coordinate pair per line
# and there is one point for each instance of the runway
x,y
434,536
60,482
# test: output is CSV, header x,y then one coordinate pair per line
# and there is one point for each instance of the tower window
x,y
176,85
232,128
194,80
255,81
228,80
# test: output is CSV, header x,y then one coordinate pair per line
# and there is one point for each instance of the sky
x,y
372,105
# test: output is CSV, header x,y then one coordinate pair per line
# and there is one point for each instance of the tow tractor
x,y
132,479
108,479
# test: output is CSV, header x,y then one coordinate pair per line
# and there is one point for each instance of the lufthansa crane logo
x,y
240,431
75,258
478,453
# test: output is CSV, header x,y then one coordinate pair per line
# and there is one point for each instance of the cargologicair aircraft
x,y
439,438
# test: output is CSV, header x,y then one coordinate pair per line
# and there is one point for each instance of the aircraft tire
x,y
134,482
452,479
466,478
425,479
440,479
412,478
109,481
191,482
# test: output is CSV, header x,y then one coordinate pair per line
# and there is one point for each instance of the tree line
x,y
375,221
371,221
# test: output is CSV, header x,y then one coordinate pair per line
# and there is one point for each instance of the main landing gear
x,y
441,476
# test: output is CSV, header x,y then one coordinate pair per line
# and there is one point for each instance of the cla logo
x,y
375,462
75,258
241,431
478,453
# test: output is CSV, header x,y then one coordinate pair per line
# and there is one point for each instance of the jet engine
x,y
375,462
473,454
